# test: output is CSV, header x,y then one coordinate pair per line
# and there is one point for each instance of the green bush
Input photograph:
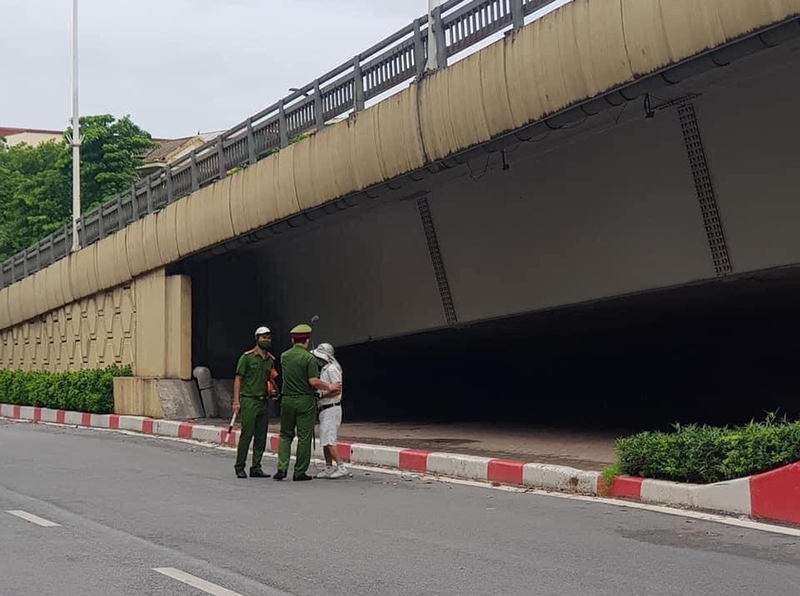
x,y
89,390
705,454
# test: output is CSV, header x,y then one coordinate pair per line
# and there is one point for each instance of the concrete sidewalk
x,y
585,450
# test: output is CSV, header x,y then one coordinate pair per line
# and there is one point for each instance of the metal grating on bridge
x,y
436,260
704,189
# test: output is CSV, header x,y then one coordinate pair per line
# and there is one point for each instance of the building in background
x,y
168,150
30,136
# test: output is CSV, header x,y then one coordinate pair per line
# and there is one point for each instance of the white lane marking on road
x,y
699,515
195,582
34,519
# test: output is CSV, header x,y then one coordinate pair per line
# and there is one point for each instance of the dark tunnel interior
x,y
720,352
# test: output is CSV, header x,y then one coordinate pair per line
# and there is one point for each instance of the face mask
x,y
265,345
321,363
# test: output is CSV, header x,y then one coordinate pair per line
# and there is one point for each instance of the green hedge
x,y
705,454
89,390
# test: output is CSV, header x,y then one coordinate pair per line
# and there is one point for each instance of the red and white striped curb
x,y
469,467
772,496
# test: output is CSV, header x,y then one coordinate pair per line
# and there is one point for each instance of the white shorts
x,y
329,421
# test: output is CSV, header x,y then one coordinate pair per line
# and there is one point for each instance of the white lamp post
x,y
75,141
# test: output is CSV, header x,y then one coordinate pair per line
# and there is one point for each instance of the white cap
x,y
324,352
263,331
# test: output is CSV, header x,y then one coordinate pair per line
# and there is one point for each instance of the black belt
x,y
326,406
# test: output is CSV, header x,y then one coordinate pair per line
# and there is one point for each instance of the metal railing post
x,y
437,42
149,194
319,110
517,16
419,50
120,215
223,167
168,175
251,143
193,173
134,204
101,224
358,85
282,128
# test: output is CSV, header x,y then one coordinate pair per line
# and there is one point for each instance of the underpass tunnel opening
x,y
721,352
724,354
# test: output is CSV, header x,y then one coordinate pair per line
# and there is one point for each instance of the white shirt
x,y
331,373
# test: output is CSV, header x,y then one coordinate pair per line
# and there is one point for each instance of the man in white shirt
x,y
330,411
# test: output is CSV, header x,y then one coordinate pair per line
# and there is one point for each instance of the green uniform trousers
x,y
253,417
297,411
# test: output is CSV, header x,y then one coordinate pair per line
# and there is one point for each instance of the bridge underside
x,y
575,265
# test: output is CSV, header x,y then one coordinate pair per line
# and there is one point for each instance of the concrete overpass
x,y
608,149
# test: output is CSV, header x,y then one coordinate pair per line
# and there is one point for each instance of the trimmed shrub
x,y
705,454
90,390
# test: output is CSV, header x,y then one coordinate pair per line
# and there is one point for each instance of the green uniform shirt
x,y
298,366
255,372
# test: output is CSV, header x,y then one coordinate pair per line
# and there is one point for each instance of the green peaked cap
x,y
302,330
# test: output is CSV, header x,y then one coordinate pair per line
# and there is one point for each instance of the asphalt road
x,y
128,505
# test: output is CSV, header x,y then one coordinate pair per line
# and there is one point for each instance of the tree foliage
x,y
36,182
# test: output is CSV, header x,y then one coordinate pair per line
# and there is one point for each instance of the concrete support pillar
x,y
163,326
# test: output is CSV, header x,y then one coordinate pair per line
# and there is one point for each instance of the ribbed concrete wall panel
x,y
66,279
438,136
27,294
208,219
105,267
83,271
183,227
136,248
332,151
39,303
167,233
645,37
121,259
494,88
254,201
524,92
152,254
695,26
399,134
286,188
364,148
607,53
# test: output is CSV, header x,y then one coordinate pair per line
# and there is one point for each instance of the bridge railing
x,y
457,25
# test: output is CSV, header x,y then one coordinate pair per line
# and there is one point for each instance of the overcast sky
x,y
178,66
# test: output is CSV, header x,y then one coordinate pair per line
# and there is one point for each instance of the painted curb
x,y
772,496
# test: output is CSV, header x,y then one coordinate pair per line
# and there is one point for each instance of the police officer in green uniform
x,y
250,402
298,405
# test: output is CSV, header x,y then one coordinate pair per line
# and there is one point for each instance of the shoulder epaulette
x,y
250,352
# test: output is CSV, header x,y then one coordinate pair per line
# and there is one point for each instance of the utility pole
x,y
75,141
432,41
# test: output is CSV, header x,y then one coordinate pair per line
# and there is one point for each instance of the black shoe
x,y
302,478
279,475
241,474
259,473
